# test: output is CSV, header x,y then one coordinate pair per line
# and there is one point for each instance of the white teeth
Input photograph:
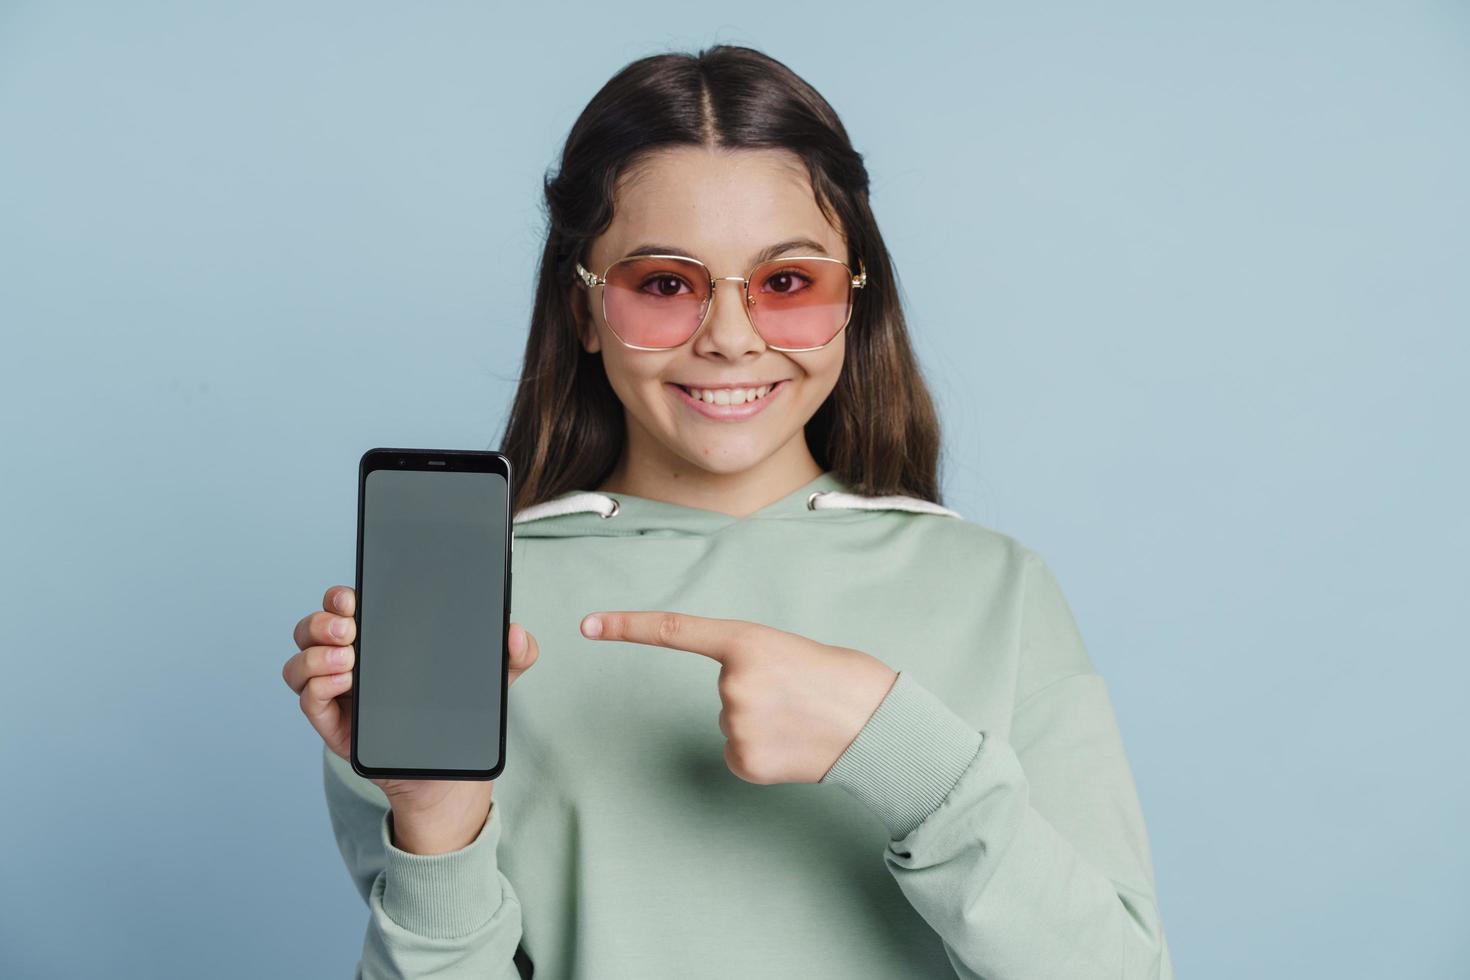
x,y
728,396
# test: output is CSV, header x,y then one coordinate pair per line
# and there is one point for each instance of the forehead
x,y
719,205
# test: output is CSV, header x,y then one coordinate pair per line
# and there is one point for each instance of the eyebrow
x,y
765,254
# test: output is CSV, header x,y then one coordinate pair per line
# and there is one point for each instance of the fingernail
x,y
337,656
517,639
592,627
341,602
339,628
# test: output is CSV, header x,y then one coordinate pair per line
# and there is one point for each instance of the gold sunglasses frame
x,y
858,281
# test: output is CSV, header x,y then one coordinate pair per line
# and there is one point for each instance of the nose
x,y
729,327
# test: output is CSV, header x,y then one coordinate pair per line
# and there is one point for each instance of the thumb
x,y
523,650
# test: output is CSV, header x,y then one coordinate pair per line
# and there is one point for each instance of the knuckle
x,y
317,690
745,763
757,769
731,687
668,627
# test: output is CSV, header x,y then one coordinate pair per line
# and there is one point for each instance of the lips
x,y
727,412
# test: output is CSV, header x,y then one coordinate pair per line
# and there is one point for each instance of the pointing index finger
x,y
710,637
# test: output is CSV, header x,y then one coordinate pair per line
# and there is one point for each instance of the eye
x,y
664,284
784,281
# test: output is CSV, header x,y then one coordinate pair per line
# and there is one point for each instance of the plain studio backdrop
x,y
1190,287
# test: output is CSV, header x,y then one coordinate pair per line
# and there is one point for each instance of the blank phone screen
x,y
432,616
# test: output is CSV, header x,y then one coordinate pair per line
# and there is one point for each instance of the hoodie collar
x,y
589,512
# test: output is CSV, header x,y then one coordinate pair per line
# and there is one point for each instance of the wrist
x,y
430,833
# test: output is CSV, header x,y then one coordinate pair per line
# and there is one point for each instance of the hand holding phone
x,y
430,816
434,538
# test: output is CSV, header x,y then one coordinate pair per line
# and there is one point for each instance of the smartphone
x,y
433,607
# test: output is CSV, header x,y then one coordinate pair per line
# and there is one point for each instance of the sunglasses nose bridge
x,y
716,280
710,304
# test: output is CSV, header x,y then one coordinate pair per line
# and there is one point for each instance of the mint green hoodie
x,y
984,823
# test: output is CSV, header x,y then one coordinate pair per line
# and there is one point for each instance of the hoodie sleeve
x,y
451,914
1026,854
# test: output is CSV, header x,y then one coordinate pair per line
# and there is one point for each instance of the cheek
x,y
821,372
634,378
615,368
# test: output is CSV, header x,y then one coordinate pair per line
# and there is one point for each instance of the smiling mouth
x,y
730,412
770,388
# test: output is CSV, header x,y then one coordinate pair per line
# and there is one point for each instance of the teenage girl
x,y
793,718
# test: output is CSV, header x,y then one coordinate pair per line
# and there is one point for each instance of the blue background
x,y
1190,287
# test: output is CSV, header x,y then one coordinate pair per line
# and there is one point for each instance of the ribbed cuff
x,y
443,895
907,758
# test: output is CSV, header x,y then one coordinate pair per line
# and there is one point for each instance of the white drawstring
x,y
585,500
856,501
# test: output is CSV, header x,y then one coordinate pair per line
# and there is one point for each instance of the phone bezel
x,y
445,460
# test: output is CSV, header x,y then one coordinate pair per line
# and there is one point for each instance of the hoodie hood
x,y
589,513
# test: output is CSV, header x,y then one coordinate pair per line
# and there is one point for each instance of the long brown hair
x,y
877,432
